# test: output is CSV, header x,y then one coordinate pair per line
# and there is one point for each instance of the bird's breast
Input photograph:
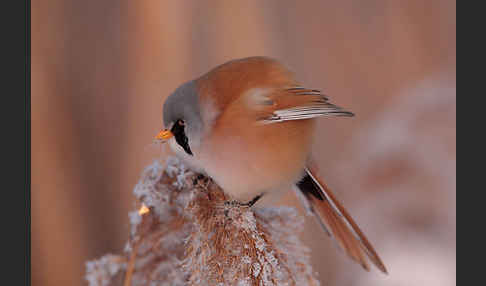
x,y
246,159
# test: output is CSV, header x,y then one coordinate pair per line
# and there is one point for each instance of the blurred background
x,y
101,70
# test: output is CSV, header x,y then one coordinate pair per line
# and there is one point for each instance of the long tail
x,y
337,222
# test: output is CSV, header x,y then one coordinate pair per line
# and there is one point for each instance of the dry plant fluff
x,y
187,235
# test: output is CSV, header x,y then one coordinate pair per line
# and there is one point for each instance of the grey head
x,y
181,113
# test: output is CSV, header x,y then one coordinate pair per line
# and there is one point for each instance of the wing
x,y
337,222
295,103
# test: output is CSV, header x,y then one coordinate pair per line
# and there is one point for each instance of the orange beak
x,y
164,135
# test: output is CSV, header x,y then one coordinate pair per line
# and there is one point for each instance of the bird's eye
x,y
181,122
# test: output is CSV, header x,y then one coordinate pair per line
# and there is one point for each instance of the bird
x,y
248,124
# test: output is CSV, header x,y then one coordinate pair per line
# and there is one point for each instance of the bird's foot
x,y
240,204
201,181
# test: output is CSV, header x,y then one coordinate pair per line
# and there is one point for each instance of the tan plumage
x,y
238,151
248,124
341,225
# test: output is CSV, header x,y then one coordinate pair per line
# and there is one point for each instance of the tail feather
x,y
337,222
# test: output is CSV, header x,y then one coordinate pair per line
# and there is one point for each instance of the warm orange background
x,y
101,70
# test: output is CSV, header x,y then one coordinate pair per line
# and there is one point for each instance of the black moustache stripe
x,y
180,137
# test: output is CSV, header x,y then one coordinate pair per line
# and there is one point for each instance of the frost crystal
x,y
191,237
102,272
